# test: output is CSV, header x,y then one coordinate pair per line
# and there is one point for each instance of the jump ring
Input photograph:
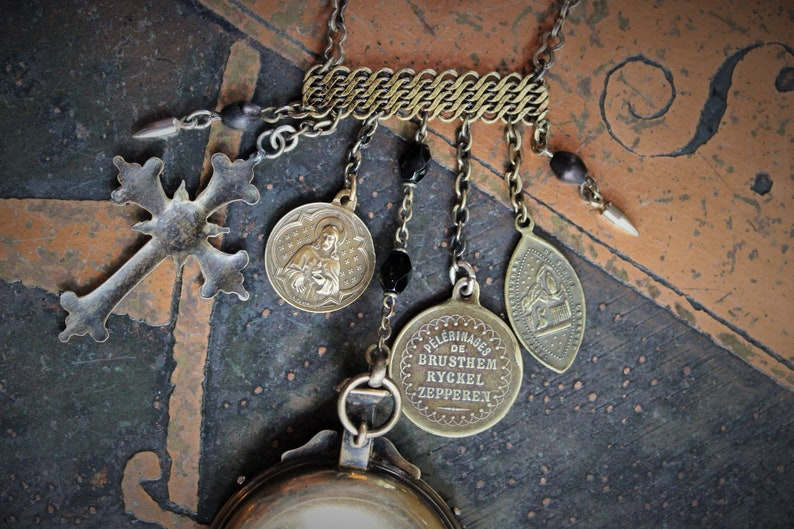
x,y
341,406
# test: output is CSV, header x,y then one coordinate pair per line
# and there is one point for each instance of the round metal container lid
x,y
308,496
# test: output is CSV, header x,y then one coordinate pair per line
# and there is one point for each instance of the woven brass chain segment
x,y
406,94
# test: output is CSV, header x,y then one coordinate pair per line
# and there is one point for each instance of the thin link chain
x,y
460,211
552,41
334,53
543,58
515,185
285,138
295,110
404,214
390,298
406,211
365,134
378,354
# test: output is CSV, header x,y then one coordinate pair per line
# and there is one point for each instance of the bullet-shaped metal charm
x,y
614,215
159,129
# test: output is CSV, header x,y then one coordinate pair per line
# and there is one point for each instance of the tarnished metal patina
x,y
320,256
458,366
545,302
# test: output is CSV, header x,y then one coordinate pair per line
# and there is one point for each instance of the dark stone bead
x,y
413,162
568,168
241,116
395,272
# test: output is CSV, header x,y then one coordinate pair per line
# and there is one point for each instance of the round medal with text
x,y
545,302
320,257
458,366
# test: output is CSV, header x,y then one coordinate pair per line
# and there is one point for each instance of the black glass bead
x,y
241,116
568,168
395,272
413,162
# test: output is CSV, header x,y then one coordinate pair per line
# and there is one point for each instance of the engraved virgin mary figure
x,y
546,303
312,273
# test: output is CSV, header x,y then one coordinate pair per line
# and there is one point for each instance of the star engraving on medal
x,y
179,227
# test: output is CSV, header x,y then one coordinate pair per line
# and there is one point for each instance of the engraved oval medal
x,y
320,257
545,302
458,367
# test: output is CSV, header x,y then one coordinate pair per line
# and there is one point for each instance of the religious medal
x,y
544,298
320,257
458,365
545,302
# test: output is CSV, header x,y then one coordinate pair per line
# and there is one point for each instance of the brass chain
x,y
406,211
404,214
284,138
543,58
378,354
515,185
363,138
551,41
334,53
460,210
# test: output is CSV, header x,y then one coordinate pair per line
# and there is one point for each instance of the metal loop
x,y
540,138
386,427
200,119
421,130
590,193
290,140
471,276
282,139
383,353
524,224
363,138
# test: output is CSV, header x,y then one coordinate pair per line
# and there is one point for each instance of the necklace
x,y
456,368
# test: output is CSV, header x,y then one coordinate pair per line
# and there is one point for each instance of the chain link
x,y
543,58
200,119
365,134
460,211
551,41
404,214
406,211
515,185
285,138
591,194
540,138
334,54
298,111
378,354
